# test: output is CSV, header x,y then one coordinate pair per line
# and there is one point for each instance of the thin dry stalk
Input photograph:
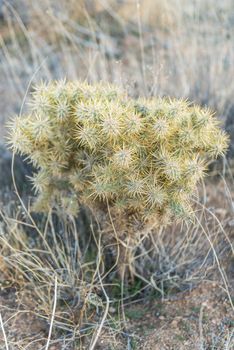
x,y
3,332
53,313
98,333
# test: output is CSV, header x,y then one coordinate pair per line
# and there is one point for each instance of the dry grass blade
x,y
100,326
4,333
53,313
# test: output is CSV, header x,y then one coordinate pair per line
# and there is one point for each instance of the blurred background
x,y
151,47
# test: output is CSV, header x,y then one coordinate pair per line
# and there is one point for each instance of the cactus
x,y
94,145
95,142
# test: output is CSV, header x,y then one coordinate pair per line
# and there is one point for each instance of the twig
x,y
201,327
4,333
92,346
53,312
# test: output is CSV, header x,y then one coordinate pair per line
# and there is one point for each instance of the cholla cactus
x,y
141,159
93,144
